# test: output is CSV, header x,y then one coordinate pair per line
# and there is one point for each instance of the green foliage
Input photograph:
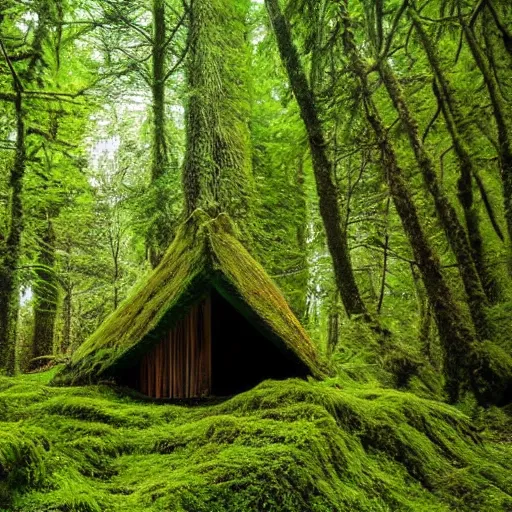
x,y
396,361
284,446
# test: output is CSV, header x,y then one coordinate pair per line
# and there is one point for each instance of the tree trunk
x,y
333,331
505,32
456,337
46,294
425,314
302,244
115,278
454,230
67,311
9,286
11,251
217,174
322,166
454,123
158,237
385,258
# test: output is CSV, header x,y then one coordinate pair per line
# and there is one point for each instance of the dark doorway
x,y
241,356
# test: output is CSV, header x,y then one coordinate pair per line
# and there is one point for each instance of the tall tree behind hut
x,y
217,173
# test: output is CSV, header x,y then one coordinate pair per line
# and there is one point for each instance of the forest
x,y
329,179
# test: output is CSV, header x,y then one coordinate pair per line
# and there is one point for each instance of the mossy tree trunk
x,y
217,174
302,244
500,116
425,314
10,252
322,165
46,285
455,232
501,25
67,312
46,295
456,337
333,328
158,237
454,123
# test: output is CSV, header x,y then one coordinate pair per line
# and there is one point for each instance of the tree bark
x,y
333,331
454,123
505,32
11,251
67,312
217,173
301,230
46,294
159,232
322,166
10,254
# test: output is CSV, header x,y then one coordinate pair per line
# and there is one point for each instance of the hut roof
x,y
205,254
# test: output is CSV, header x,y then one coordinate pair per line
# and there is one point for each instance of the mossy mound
x,y
395,362
22,453
283,446
205,254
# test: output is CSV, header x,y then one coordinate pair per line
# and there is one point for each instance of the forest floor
x,y
283,446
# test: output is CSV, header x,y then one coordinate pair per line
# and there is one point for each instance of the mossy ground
x,y
283,446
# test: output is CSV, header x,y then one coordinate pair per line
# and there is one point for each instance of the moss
x,y
22,451
283,446
217,174
204,253
493,374
396,361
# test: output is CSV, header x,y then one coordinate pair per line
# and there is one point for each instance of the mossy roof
x,y
205,254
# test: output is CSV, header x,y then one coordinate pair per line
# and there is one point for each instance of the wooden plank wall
x,y
180,366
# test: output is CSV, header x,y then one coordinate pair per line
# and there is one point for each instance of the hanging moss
x,y
205,253
283,446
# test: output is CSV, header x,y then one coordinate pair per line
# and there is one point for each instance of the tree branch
x,y
394,27
18,86
178,62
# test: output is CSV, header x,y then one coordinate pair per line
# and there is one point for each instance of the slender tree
x,y
146,46
162,159
447,214
501,116
322,166
455,125
46,294
11,250
456,337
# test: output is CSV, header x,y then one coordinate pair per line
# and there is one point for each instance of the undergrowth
x,y
283,446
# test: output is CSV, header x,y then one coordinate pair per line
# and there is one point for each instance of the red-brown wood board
x,y
180,366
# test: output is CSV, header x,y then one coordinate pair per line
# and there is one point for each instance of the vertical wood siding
x,y
180,366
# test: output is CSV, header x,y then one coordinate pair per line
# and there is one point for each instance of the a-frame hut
x,y
207,321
